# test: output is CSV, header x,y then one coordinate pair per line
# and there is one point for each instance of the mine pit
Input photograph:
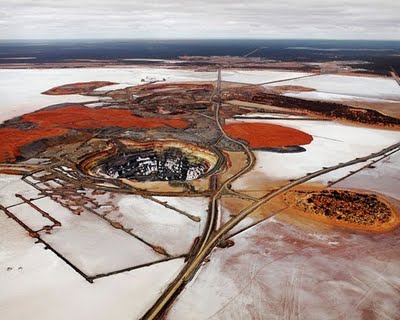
x,y
158,161
171,164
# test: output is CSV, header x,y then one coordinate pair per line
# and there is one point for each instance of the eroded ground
x,y
227,199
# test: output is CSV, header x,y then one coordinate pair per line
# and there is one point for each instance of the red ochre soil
x,y
76,88
58,122
12,139
262,135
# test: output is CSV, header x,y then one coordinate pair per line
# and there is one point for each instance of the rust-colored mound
x,y
344,208
80,117
264,135
12,139
58,122
77,88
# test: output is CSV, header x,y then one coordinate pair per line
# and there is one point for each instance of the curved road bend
x,y
174,288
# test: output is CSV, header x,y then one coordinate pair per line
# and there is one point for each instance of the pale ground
x,y
10,185
161,226
323,96
347,86
259,76
41,283
92,244
271,115
279,271
41,286
384,178
95,247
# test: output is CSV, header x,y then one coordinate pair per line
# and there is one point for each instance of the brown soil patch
x,y
263,135
12,171
283,89
362,74
327,109
172,86
391,109
77,88
236,161
234,205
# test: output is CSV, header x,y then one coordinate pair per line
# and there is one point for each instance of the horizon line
x,y
193,39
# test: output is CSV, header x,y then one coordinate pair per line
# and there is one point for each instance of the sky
x,y
188,19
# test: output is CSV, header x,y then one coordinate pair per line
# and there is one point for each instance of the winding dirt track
x,y
203,246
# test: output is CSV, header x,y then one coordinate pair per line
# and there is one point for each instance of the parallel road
x,y
250,163
193,263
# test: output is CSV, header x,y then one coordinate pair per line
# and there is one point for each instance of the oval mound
x,y
265,135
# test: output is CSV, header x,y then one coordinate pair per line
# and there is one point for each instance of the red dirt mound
x,y
12,139
263,135
58,122
80,117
